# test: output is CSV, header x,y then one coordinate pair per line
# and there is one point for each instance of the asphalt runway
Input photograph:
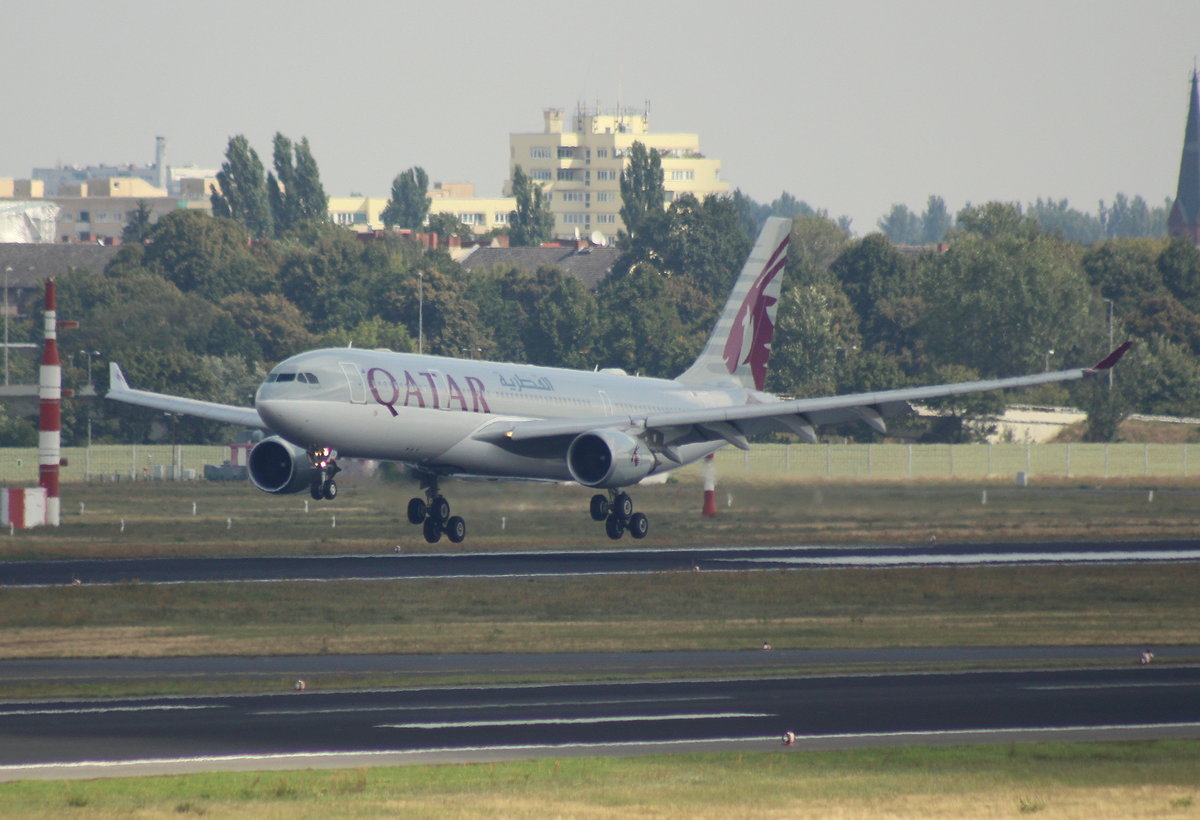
x,y
582,562
138,736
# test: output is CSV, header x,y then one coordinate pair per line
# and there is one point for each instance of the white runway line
x,y
477,724
928,559
96,710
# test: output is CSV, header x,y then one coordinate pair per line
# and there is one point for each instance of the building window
x,y
606,219
566,175
566,152
683,175
571,196
540,152
541,174
575,219
85,216
605,176
601,153
501,218
605,196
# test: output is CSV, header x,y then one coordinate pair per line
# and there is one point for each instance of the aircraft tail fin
x,y
737,351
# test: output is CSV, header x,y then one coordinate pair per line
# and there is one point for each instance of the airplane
x,y
604,429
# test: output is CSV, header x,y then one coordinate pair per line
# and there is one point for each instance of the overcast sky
x,y
850,106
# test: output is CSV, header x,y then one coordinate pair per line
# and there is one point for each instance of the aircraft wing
x,y
801,416
119,390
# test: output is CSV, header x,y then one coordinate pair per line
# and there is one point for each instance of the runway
x,y
583,562
95,738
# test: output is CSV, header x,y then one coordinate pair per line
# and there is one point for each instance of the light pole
x,y
1049,353
90,354
420,315
1109,303
7,271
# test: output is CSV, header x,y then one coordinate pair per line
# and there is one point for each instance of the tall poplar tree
x,y
408,206
294,189
531,223
642,191
243,190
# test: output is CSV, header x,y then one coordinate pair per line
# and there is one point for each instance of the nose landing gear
x,y
433,514
323,459
616,511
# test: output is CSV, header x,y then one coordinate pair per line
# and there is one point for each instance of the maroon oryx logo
x,y
749,339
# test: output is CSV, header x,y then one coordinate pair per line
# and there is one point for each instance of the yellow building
x,y
580,168
482,214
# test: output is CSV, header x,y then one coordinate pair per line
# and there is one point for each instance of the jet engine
x,y
277,466
608,458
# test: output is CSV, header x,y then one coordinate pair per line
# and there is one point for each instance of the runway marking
x,y
477,724
102,709
924,559
86,765
460,708
1146,685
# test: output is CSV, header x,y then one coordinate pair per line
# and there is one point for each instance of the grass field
x,y
204,518
1077,781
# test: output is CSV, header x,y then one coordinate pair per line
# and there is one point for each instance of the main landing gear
x,y
433,514
616,511
323,460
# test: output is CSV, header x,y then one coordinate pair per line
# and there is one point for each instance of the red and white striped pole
x,y
710,486
50,409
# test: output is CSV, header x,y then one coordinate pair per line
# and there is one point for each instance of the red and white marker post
x,y
710,487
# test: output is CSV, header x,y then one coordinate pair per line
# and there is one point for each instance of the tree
x,y
204,255
641,328
816,242
1058,217
409,204
294,190
243,190
1003,294
137,229
815,329
642,190
936,222
902,226
446,225
531,223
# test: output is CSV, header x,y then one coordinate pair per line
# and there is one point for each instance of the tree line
x,y
204,305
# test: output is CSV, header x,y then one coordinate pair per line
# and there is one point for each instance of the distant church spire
x,y
1185,213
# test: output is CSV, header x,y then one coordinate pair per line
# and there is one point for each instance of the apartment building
x,y
481,214
580,167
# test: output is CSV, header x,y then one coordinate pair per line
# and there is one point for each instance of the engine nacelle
x,y
608,458
278,466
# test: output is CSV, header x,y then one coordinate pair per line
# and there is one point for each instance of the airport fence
x,y
906,462
833,462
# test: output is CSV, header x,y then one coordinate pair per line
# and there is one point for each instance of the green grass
x,y
203,518
1147,779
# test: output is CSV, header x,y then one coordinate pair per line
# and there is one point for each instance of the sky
x,y
849,106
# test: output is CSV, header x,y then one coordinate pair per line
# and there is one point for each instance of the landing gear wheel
x,y
439,509
314,490
615,527
329,490
599,507
433,531
638,525
417,510
456,529
623,506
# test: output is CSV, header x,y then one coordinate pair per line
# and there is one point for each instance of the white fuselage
x,y
426,410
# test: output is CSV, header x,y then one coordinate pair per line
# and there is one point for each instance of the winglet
x,y
1111,359
116,379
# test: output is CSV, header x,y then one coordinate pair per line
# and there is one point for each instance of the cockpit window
x,y
311,378
285,377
